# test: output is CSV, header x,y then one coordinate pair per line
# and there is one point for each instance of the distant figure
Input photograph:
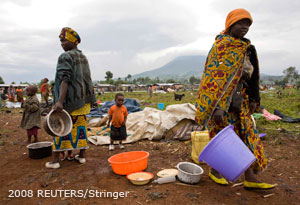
x,y
11,93
31,120
178,97
279,93
19,92
117,116
45,91
1,93
150,92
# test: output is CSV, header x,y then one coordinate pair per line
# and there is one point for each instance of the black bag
x,y
236,100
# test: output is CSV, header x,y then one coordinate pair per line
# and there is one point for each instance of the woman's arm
x,y
62,94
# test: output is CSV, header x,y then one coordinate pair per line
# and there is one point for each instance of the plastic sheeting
x,y
131,104
9,104
151,123
285,118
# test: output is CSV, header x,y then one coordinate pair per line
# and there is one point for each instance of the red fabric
x,y
43,88
32,131
270,116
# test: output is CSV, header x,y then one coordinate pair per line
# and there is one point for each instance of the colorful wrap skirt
x,y
245,129
77,139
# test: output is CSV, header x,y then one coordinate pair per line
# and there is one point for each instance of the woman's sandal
x,y
255,185
221,181
51,165
79,159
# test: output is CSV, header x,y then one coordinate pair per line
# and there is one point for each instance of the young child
x,y
117,116
31,119
73,91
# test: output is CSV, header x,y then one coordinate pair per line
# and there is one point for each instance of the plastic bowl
x,y
129,162
58,123
189,173
140,178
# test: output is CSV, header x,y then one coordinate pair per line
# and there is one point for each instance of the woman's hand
x,y
252,107
58,107
218,117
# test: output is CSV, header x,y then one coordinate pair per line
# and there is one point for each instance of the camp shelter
x,y
127,87
165,86
4,87
105,87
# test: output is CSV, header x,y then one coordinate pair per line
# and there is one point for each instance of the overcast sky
x,y
132,36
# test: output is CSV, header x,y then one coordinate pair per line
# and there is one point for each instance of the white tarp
x,y
151,123
9,104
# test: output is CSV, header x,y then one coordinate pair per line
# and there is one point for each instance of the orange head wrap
x,y
236,15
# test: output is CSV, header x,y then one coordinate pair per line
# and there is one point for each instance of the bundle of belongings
x,y
176,122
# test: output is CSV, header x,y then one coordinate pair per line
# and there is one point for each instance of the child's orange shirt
x,y
118,115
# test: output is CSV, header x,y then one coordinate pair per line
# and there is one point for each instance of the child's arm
x,y
32,107
109,119
125,119
125,116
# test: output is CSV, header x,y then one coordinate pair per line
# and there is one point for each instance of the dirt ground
x,y
22,176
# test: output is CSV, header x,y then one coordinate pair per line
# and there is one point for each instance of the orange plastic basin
x,y
129,162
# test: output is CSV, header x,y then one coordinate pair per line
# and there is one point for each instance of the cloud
x,y
132,36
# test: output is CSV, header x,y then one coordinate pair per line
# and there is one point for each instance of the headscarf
x,y
234,16
70,35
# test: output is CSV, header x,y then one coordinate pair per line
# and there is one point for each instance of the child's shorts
x,y
118,133
32,131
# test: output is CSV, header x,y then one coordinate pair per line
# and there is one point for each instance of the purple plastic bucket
x,y
227,154
262,135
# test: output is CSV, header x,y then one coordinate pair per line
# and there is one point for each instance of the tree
x,y
109,75
147,80
156,80
21,82
291,74
129,77
141,80
13,82
170,80
193,80
1,80
117,82
282,82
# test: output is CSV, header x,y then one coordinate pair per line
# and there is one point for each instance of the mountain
x,y
180,67
184,67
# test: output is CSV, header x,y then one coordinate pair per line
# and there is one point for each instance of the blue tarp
x,y
131,104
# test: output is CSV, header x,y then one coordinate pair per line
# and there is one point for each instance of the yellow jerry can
x,y
199,140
